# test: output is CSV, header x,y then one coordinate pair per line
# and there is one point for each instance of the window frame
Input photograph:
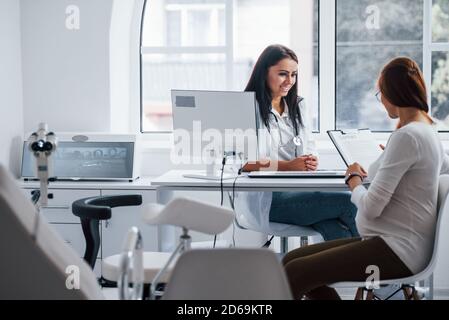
x,y
429,48
326,64
226,50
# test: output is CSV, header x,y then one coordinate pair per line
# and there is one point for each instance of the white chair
x,y
36,263
228,274
188,214
281,230
94,209
407,285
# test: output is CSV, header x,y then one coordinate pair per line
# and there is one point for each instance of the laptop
x,y
298,174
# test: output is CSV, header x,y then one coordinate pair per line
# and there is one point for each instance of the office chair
x,y
93,209
36,261
284,231
407,285
228,274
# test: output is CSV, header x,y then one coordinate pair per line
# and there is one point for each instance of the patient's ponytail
x,y
401,82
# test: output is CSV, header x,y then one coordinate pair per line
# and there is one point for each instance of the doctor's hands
x,y
312,163
303,163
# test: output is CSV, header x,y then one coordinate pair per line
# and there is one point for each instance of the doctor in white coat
x,y
285,145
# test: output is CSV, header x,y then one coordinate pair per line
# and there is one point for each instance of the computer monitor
x,y
93,156
223,121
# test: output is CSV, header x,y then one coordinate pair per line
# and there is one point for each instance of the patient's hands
x,y
303,163
356,168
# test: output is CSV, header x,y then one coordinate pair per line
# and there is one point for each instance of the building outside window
x,y
440,62
369,34
213,45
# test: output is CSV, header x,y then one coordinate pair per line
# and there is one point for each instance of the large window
x,y
214,44
199,44
369,34
440,61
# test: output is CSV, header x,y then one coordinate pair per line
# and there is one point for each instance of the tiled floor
x,y
346,294
110,293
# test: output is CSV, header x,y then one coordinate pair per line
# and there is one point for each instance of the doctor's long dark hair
x,y
258,84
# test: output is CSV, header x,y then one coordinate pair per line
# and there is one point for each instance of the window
x,y
440,62
342,45
213,45
369,34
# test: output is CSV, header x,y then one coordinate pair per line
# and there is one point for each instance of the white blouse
x,y
400,205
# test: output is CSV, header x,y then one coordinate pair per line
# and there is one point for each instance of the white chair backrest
x,y
442,220
35,268
191,214
228,274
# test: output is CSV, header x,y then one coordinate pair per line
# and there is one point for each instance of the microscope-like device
x,y
42,144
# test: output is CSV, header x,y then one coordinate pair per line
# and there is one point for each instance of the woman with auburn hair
x,y
396,216
413,94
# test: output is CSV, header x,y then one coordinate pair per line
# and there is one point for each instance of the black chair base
x,y
105,283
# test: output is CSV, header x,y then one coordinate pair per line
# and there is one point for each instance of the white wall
x,y
66,72
11,115
124,47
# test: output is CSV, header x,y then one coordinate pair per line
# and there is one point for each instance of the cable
x,y
232,200
235,180
268,243
223,163
233,189
233,234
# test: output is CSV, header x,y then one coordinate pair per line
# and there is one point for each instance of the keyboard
x,y
298,174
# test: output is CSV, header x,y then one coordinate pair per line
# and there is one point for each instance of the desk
x,y
174,181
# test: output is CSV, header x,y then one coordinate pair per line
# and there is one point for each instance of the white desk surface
x,y
174,180
138,184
